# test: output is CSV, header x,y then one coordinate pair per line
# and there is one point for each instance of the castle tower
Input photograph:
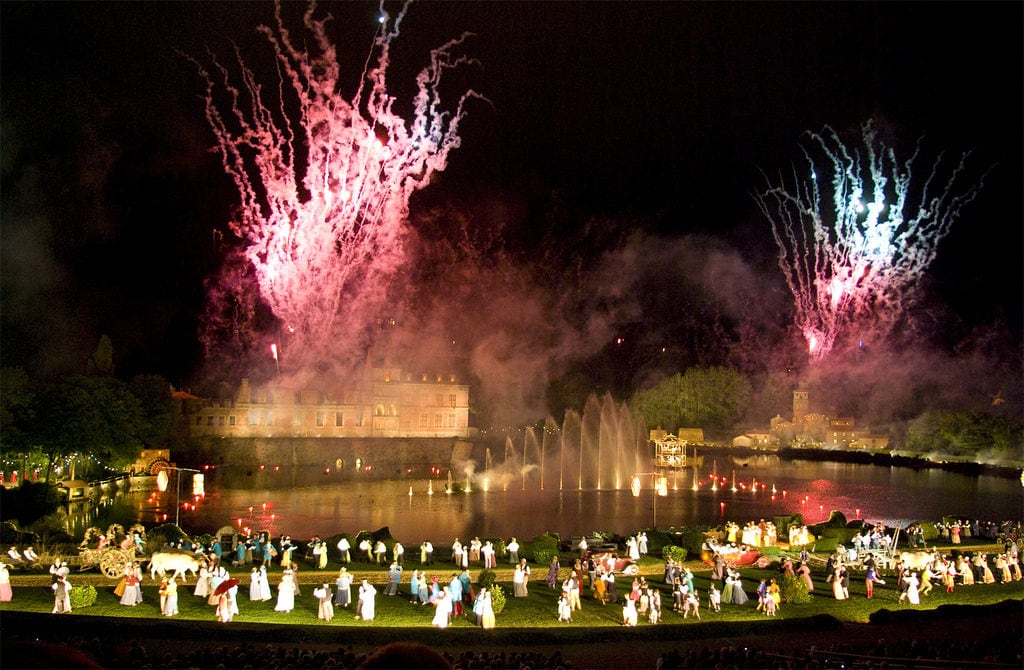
x,y
801,405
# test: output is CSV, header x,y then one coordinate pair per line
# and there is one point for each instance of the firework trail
x,y
325,181
855,233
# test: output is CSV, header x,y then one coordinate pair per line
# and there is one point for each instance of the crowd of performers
x,y
593,574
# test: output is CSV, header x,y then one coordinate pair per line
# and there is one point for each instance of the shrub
x,y
836,519
677,554
544,556
784,523
486,579
82,596
930,532
692,541
793,589
823,545
160,536
497,599
546,544
51,529
657,540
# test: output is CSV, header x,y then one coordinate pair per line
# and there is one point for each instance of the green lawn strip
x,y
538,610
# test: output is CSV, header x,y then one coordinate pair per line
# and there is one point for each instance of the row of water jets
x,y
598,449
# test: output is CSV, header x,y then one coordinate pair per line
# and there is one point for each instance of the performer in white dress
x,y
285,594
367,601
442,609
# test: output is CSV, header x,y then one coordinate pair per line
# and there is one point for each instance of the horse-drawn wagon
x,y
110,551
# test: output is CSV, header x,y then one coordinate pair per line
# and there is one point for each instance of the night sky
x,y
605,120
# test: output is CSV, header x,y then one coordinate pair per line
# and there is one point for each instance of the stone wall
x,y
297,461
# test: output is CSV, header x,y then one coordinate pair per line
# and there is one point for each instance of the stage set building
x,y
812,429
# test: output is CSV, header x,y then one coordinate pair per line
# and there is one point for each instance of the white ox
x,y
918,560
164,561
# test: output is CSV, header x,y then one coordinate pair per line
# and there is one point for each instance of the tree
x,y
16,410
660,405
711,398
101,363
97,416
162,427
970,434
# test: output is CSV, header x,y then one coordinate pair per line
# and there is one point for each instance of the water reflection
x,y
764,487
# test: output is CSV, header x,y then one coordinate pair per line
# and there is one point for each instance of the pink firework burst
x,y
325,189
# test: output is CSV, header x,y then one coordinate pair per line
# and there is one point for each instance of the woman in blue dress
x,y
343,592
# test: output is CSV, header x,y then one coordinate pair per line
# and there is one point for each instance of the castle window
x,y
319,418
451,400
254,418
231,420
339,419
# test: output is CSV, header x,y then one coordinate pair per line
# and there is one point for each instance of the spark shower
x,y
325,184
855,231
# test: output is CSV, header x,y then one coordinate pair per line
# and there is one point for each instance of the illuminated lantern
x,y
634,486
663,486
161,480
199,485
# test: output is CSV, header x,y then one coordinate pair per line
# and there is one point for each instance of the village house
x,y
810,428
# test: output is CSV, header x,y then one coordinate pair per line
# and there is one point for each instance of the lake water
x,y
765,486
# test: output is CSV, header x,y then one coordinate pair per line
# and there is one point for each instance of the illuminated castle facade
x,y
387,402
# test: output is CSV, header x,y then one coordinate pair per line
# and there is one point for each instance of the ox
x,y
918,560
164,561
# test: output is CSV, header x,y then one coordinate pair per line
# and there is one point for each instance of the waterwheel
x,y
157,465
112,562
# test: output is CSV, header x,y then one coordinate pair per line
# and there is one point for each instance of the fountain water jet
x,y
596,450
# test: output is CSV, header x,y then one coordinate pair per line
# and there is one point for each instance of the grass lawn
x,y
594,638
538,610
